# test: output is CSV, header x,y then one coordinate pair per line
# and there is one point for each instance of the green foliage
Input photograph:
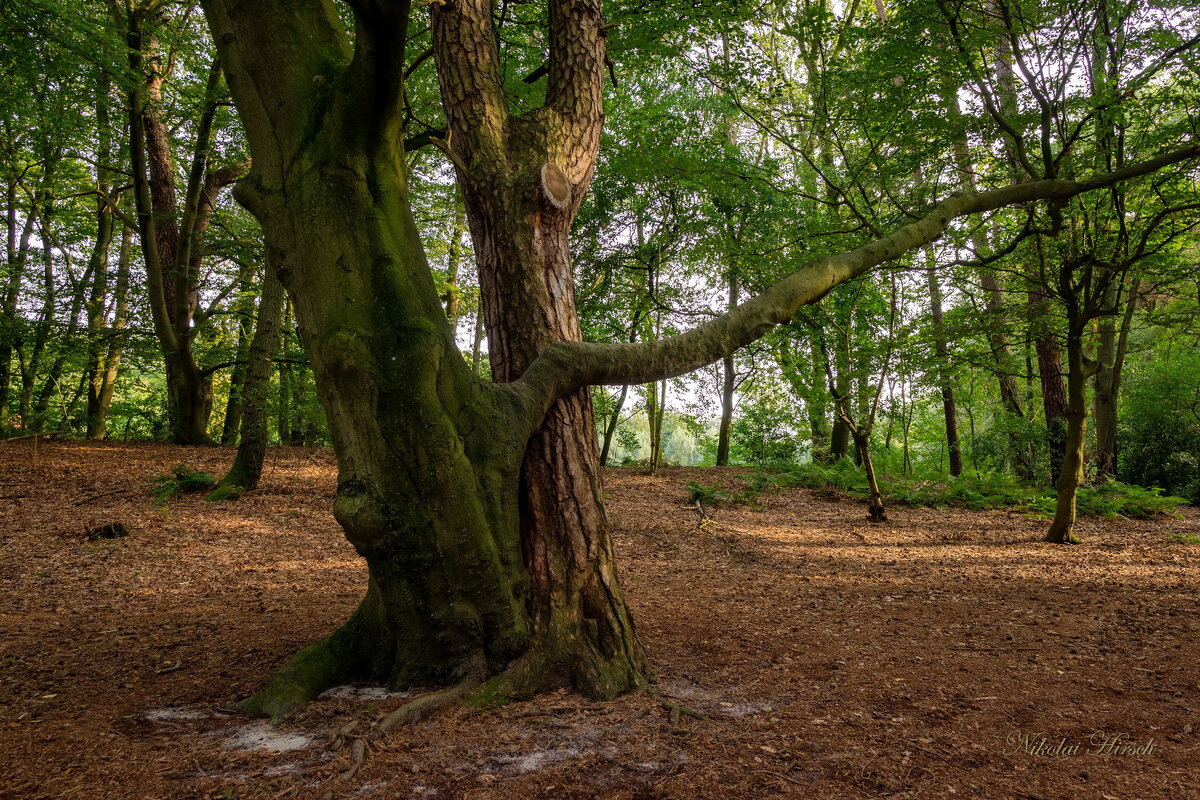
x,y
714,497
976,492
1115,499
1158,436
180,480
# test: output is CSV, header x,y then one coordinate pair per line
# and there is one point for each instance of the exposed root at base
x,y
427,704
1063,537
308,673
678,709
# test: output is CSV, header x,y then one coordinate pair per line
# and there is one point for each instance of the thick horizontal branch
x,y
567,366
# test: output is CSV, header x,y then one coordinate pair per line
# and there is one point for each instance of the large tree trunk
x,y
247,467
466,580
523,179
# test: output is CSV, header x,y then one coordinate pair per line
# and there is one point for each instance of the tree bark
x,y
103,384
523,179
1054,392
1070,473
244,474
942,351
611,428
728,384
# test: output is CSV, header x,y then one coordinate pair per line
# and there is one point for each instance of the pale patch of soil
x,y
836,659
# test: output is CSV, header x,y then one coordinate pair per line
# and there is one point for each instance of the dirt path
x,y
924,658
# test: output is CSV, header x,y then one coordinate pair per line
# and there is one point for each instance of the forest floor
x,y
946,653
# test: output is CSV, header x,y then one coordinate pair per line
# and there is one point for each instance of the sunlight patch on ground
x,y
264,736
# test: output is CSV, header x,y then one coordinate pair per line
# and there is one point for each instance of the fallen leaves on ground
x,y
833,658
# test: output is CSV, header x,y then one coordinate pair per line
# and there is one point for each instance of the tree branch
x,y
566,366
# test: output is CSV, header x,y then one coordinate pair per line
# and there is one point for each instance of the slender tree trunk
x,y
283,408
237,377
728,384
839,440
815,403
1112,347
477,344
296,425
1104,402
453,297
875,508
100,396
244,474
172,231
1054,394
10,322
1070,473
942,350
99,262
611,428
51,386
32,364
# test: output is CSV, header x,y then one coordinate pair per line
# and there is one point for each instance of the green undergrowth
x,y
180,480
978,492
714,497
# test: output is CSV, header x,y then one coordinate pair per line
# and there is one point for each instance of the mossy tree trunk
x,y
247,466
476,505
610,429
1070,473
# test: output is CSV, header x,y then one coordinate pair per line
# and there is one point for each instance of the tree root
x,y
310,672
426,704
1062,537
678,709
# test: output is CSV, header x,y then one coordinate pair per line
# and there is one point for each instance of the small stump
x,y
109,530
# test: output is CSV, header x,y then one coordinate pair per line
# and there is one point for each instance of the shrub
x,y
977,492
179,481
